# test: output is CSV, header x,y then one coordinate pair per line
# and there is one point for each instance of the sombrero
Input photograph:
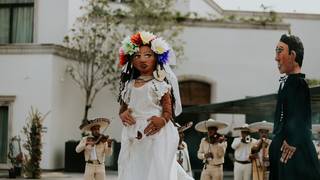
x,y
261,125
184,127
316,128
244,127
203,125
102,122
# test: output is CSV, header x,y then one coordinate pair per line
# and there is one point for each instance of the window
x,y
16,21
3,133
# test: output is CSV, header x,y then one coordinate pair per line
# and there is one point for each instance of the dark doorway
x,y
3,133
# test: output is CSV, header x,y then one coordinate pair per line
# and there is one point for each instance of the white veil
x,y
171,77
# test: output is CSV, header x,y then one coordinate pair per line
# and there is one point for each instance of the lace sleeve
x,y
160,88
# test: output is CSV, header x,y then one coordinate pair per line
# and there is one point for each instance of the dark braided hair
x,y
132,73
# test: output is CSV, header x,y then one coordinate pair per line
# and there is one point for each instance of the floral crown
x,y
131,44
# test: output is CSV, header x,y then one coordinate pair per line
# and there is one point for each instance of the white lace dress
x,y
151,157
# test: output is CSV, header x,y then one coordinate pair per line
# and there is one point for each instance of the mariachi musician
x,y
95,147
212,149
260,155
182,152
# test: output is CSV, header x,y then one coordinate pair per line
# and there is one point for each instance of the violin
x,y
102,138
216,138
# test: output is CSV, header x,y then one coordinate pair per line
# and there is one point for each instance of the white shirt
x,y
242,150
283,81
93,154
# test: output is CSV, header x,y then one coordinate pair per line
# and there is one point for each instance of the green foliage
x,y
33,144
267,18
94,42
158,17
313,82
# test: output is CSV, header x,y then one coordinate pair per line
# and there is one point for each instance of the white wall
x,y
41,81
74,11
68,109
51,21
28,78
203,9
308,30
182,6
239,61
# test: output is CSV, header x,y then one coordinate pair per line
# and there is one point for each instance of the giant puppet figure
x,y
149,99
292,153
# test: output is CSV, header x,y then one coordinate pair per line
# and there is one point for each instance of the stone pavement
x,y
62,175
111,175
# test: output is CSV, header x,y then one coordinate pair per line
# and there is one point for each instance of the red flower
x,y
136,39
122,57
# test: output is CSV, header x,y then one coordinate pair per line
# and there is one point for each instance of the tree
x,y
96,37
94,42
158,17
313,82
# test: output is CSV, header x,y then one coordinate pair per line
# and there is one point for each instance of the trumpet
x,y
247,139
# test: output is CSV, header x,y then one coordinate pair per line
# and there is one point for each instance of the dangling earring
x,y
159,74
131,71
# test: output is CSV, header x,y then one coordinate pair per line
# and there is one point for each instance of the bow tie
x,y
283,79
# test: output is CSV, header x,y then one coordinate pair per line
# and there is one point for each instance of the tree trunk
x,y
85,118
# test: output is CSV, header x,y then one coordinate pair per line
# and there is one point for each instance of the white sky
x,y
298,6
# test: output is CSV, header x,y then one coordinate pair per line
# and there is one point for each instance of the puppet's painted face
x,y
144,60
286,61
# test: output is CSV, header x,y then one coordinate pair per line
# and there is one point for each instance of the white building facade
x,y
235,59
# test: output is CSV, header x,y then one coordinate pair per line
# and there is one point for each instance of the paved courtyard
x,y
63,175
111,175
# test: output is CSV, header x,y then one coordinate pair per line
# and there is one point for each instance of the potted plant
x,y
33,131
15,156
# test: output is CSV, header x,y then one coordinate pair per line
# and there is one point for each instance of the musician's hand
x,y
109,141
154,126
252,157
89,143
208,155
287,152
221,139
127,118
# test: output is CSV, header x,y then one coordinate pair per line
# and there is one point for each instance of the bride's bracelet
x,y
164,120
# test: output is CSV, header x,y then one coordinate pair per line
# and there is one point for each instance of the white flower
x,y
159,46
146,37
128,47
